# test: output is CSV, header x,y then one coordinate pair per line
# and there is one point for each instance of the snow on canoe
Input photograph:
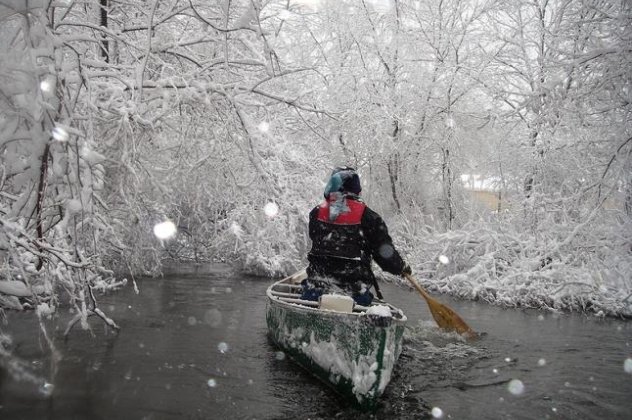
x,y
350,347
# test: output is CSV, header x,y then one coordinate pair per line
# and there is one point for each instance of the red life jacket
x,y
342,237
352,217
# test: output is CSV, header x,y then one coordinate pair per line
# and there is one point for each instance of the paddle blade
x,y
445,317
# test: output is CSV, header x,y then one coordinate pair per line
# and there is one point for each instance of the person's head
x,y
343,179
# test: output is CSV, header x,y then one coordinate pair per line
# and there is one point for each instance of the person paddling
x,y
346,236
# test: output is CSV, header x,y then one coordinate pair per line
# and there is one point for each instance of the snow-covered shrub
x,y
51,212
562,269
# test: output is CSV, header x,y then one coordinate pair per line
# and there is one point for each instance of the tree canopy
x,y
116,116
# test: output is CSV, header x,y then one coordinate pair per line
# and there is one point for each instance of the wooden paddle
x,y
445,317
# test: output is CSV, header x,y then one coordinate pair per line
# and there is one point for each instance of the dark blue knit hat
x,y
343,179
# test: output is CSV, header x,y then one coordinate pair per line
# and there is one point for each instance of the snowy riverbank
x,y
577,273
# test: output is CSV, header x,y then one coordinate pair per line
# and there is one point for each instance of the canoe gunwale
x,y
397,314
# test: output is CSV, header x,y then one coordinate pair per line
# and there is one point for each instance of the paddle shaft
x,y
421,291
378,292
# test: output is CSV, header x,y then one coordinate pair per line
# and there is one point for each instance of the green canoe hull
x,y
354,353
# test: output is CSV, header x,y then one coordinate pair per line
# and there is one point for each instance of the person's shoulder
x,y
319,205
315,209
371,214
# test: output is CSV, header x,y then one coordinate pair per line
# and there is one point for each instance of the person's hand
x,y
407,270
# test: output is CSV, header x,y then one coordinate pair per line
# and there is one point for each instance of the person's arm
x,y
381,244
313,215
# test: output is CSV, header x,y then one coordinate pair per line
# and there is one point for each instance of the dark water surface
x,y
193,346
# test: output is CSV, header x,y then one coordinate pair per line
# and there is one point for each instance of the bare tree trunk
x,y
627,204
105,52
447,187
41,191
627,199
393,169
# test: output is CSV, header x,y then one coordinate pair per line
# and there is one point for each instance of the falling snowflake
x,y
386,251
271,209
47,389
60,134
165,230
236,229
263,127
213,318
516,387
47,86
437,413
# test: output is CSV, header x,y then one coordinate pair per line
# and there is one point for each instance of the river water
x,y
193,345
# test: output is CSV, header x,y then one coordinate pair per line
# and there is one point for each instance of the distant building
x,y
485,190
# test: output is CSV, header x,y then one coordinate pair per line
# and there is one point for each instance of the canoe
x,y
353,352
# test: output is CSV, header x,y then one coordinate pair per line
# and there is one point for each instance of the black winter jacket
x,y
345,252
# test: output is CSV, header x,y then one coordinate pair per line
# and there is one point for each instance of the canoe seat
x,y
303,302
286,294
